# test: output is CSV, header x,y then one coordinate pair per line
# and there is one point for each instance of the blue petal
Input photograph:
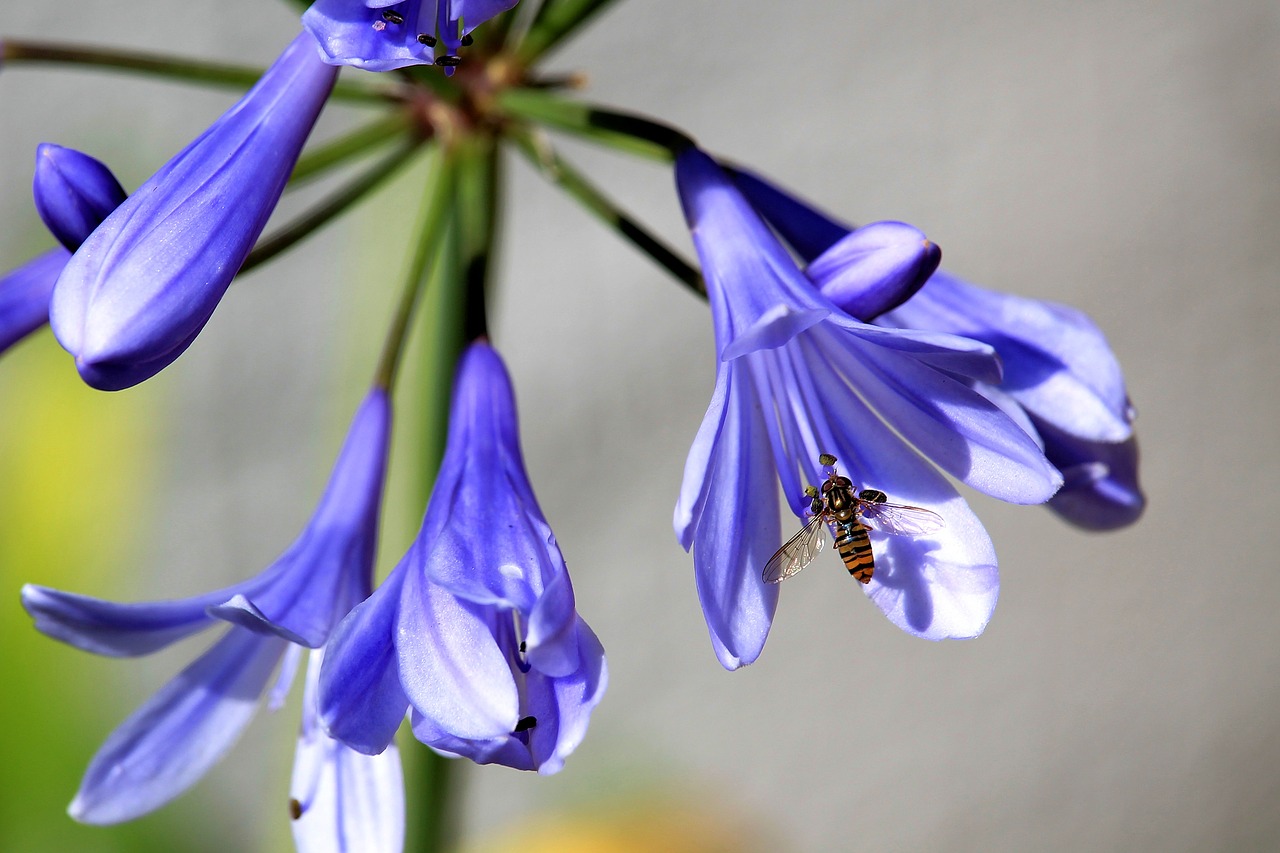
x,y
146,281
361,701
348,801
1057,362
773,329
954,426
451,667
940,586
328,569
551,647
561,708
875,268
121,630
696,483
737,530
74,193
1101,490
806,229
488,540
24,295
351,32
182,731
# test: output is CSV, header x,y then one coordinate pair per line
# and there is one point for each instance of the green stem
x,y
556,20
335,204
175,68
624,131
431,230
319,159
559,172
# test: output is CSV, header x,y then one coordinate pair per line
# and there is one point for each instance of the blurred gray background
x,y
1120,157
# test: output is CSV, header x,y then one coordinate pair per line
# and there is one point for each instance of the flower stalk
x,y
16,51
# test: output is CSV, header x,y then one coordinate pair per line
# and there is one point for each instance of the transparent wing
x,y
900,519
797,553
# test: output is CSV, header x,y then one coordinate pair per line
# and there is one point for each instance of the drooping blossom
x,y
476,630
1057,364
382,35
798,377
179,733
73,194
138,291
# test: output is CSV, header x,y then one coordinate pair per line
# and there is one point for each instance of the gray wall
x,y
1123,158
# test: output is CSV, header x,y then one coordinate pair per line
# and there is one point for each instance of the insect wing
x,y
899,519
797,553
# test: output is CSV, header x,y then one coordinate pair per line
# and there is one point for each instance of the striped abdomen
x,y
855,549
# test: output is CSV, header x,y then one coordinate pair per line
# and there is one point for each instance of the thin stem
x,y
556,20
319,159
624,131
477,210
335,204
431,230
175,68
555,169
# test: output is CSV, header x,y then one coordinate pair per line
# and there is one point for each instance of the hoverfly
x,y
848,515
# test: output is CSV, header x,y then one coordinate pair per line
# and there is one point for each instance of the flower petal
x,y
1101,490
179,733
147,280
344,800
773,329
737,531
875,268
451,667
120,630
953,425
803,226
943,585
361,701
73,192
25,293
697,482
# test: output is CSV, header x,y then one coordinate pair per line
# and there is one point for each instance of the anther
x,y
526,723
392,17
427,39
295,809
467,40
522,649
826,460
448,61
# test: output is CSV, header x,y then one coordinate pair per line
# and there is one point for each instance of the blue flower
x,y
475,630
381,35
139,290
181,731
797,377
73,194
1058,367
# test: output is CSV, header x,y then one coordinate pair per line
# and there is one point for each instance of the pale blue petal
x,y
550,644
875,268
773,329
943,585
954,426
737,531
361,701
696,483
451,667
349,802
24,295
172,740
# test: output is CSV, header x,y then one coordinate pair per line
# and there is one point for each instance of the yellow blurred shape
x,y
646,827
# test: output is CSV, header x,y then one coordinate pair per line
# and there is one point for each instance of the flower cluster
x,y
832,342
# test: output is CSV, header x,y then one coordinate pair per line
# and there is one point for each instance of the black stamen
x,y
392,17
467,40
448,61
427,39
526,723
522,647
295,809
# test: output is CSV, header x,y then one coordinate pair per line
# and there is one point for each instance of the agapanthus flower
x,y
74,193
138,291
797,378
381,35
178,734
1057,365
476,630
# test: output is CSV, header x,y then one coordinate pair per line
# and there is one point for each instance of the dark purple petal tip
x,y
73,192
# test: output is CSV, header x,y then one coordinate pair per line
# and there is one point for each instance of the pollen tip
x,y
295,809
